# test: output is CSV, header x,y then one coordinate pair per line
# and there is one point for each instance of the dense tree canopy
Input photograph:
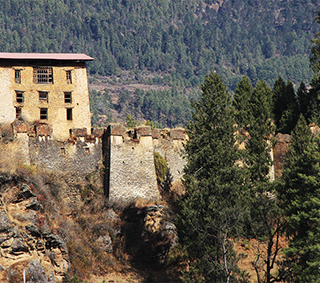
x,y
213,206
192,37
299,196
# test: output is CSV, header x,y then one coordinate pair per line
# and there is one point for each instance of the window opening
x,y
43,96
69,114
42,75
67,97
43,113
69,78
18,112
19,96
17,76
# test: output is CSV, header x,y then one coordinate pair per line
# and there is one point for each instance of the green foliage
x,y
260,130
131,122
152,124
315,83
213,205
161,167
182,38
263,222
241,100
286,107
315,50
299,196
100,106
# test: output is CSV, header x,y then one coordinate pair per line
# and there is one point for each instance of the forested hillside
x,y
180,40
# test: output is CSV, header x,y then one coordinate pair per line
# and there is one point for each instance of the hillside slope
x,y
187,37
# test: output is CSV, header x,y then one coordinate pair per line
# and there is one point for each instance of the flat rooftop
x,y
46,56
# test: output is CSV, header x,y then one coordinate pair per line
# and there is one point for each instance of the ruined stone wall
x,y
127,155
80,157
130,171
169,143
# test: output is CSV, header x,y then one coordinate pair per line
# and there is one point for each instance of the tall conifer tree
x,y
263,223
213,205
299,196
260,130
315,83
241,100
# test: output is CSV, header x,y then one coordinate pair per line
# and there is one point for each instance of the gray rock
x,y
5,223
36,273
111,215
33,230
107,243
55,241
24,194
19,247
152,208
34,204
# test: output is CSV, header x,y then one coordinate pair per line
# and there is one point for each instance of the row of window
x,y
42,75
44,113
44,96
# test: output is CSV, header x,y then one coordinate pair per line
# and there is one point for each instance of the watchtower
x,y
47,88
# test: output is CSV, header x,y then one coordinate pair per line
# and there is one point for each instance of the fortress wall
x,y
131,164
169,144
79,158
127,155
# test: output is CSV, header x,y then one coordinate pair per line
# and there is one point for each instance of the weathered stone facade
x,y
45,117
127,155
130,171
51,88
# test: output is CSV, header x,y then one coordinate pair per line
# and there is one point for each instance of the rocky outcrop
x,y
149,235
27,244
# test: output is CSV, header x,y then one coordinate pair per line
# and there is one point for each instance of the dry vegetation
x,y
92,227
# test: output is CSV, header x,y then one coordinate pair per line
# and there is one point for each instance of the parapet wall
x,y
169,144
127,155
130,167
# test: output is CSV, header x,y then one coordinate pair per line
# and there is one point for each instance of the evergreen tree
x,y
260,130
299,196
315,84
286,107
213,205
290,114
303,100
241,100
315,50
263,222
278,99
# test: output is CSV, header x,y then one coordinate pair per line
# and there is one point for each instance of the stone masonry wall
x,y
130,171
127,155
169,144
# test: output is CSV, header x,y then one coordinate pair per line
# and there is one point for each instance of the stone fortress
x,y
45,113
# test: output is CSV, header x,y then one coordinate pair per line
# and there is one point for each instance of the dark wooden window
x,y
69,77
17,76
69,114
43,96
43,75
18,112
43,113
19,96
67,97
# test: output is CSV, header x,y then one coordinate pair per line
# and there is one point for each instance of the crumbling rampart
x,y
127,155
